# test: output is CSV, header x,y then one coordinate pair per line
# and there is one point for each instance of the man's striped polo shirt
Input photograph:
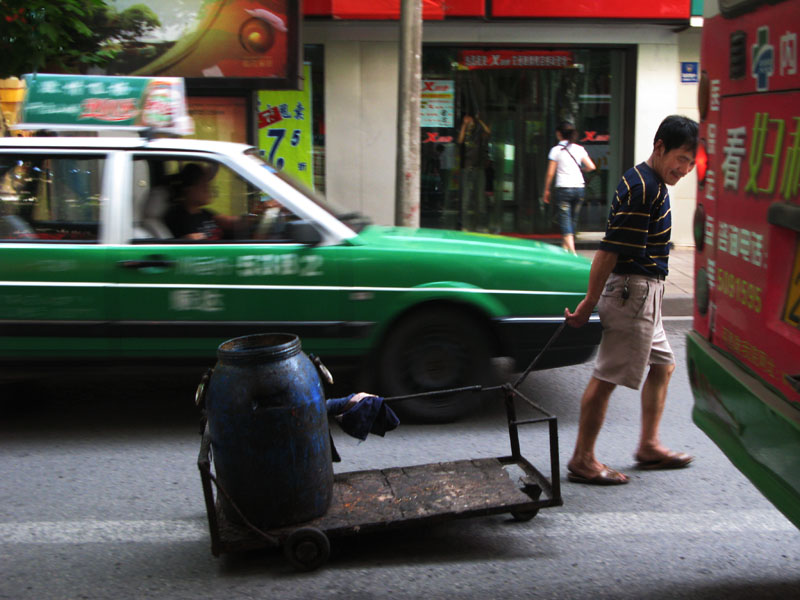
x,y
640,224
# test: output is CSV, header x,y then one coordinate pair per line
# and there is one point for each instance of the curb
x,y
678,305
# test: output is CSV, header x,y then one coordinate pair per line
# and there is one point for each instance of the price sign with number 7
x,y
285,130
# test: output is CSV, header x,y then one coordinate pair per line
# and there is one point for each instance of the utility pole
x,y
407,178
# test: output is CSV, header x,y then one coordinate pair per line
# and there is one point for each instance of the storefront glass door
x,y
488,122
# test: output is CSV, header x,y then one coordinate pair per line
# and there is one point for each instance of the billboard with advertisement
x,y
285,130
252,44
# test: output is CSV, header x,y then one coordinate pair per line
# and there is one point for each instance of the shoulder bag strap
x,y
580,170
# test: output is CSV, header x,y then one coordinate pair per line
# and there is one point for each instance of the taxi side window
x,y
50,198
185,201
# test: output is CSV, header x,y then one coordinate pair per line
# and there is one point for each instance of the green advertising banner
x,y
102,102
285,130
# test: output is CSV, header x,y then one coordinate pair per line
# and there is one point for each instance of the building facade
x,y
614,78
498,77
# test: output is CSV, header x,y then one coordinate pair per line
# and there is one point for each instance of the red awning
x,y
390,9
591,9
531,9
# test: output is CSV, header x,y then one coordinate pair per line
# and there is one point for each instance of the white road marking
x,y
90,531
659,523
551,523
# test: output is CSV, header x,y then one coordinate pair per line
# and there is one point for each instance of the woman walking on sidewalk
x,y
566,163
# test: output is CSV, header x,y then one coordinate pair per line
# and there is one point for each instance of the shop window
x,y
222,118
488,122
314,56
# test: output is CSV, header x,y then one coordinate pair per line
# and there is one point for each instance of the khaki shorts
x,y
633,333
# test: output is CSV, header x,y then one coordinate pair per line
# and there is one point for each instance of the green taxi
x,y
91,273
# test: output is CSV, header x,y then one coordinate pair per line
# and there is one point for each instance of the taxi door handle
x,y
155,261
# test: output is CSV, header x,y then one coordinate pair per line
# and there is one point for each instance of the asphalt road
x,y
100,498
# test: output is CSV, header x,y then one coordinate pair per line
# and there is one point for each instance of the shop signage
x,y
285,130
437,102
439,9
689,72
99,102
389,9
515,59
607,9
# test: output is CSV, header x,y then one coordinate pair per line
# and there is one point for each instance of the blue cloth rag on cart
x,y
369,415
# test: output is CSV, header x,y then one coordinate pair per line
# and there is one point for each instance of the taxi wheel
x,y
435,350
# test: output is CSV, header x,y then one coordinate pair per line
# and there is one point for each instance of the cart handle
x,y
541,352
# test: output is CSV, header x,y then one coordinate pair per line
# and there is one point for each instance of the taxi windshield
x,y
355,220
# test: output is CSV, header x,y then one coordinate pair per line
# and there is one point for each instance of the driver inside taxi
x,y
188,218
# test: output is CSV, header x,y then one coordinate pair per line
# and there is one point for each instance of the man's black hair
x,y
677,131
191,174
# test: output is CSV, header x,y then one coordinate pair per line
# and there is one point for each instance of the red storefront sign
x,y
592,9
515,59
440,9
390,9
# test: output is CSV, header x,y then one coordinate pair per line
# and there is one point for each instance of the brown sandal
x,y
673,460
607,476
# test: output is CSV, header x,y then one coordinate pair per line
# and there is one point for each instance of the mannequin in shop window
x,y
474,141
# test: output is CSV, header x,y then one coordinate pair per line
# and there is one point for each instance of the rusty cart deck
x,y
384,499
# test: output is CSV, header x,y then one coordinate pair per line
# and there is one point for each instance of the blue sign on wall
x,y
689,72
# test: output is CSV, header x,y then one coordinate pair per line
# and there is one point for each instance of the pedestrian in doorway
x,y
474,139
626,283
566,163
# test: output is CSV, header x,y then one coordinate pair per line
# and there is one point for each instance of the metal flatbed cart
x,y
377,500
383,499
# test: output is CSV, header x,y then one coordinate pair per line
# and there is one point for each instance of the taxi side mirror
x,y
303,232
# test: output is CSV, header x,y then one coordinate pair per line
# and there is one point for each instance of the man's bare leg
x,y
651,454
654,396
594,404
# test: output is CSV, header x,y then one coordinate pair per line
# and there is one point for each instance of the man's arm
x,y
462,133
602,265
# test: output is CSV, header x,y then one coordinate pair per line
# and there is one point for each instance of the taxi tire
x,y
435,349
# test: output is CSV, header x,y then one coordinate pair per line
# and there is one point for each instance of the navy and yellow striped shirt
x,y
640,224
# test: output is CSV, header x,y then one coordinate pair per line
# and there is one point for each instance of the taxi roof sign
x,y
97,102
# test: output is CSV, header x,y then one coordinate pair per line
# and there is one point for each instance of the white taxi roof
x,y
124,143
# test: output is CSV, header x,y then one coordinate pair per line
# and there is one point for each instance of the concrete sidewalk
x,y
678,296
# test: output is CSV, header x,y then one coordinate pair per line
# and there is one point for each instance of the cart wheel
x,y
307,548
524,515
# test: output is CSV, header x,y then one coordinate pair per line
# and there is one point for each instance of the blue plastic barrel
x,y
269,431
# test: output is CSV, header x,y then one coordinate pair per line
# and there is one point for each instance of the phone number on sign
x,y
743,292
